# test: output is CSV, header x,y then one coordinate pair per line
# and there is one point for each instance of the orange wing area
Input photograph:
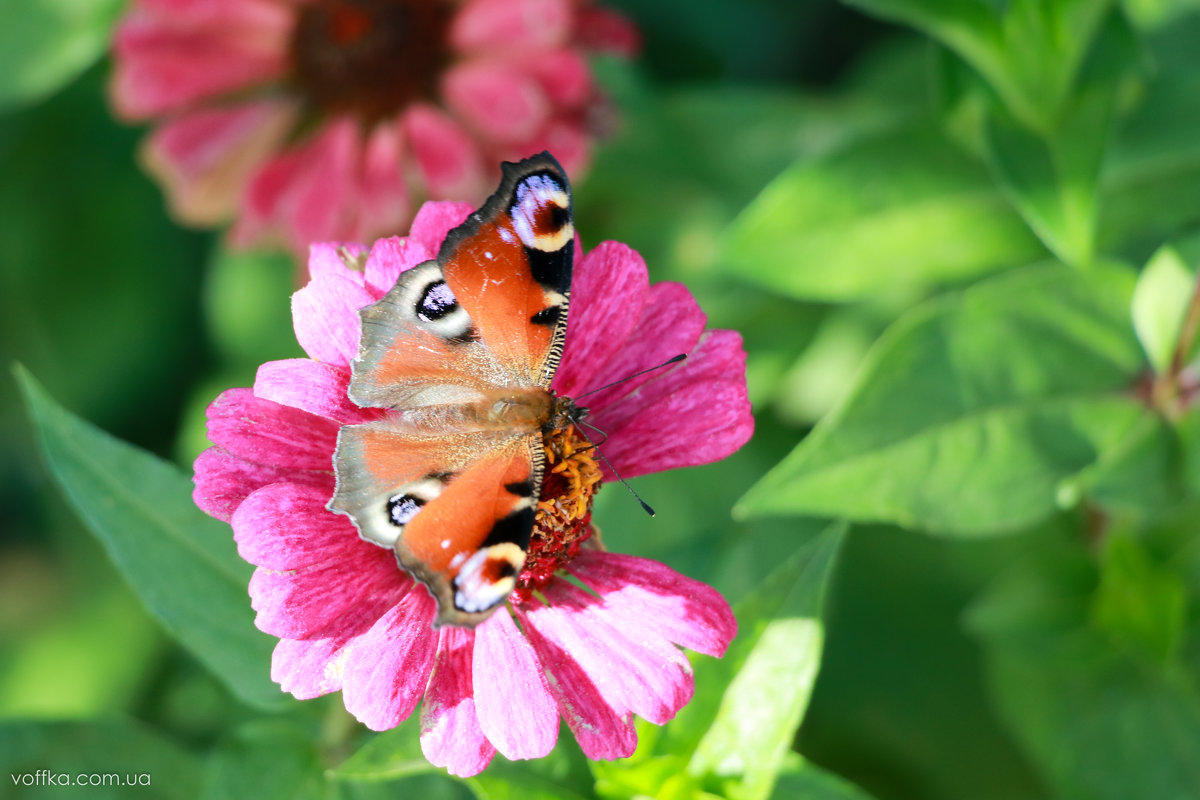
x,y
466,514
414,358
441,501
492,279
509,265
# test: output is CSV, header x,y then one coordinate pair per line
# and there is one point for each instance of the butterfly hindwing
x,y
440,502
461,352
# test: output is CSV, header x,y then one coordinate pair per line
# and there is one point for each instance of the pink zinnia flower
x,y
349,618
315,120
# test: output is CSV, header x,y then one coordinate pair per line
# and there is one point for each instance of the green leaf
x,y
266,760
182,563
776,657
396,754
1029,51
145,765
1160,302
1053,180
1157,13
728,740
808,781
388,755
1139,603
971,411
902,210
1100,724
44,44
1140,475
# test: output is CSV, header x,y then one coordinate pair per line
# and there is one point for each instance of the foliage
x,y
960,240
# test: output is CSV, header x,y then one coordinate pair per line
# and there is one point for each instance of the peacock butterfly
x,y
461,351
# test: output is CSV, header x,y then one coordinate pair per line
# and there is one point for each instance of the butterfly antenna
x,y
645,506
669,361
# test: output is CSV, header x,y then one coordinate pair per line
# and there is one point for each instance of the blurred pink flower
x,y
317,120
348,618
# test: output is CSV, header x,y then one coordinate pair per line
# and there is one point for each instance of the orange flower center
x,y
370,58
564,515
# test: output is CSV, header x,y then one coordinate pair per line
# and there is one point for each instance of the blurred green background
x,y
814,172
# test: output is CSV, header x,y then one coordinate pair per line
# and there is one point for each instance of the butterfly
x,y
461,351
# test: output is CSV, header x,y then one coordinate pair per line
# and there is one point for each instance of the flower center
x,y
564,515
370,57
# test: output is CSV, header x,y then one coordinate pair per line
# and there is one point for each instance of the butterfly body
x,y
461,353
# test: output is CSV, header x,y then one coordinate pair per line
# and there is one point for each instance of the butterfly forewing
x,y
509,265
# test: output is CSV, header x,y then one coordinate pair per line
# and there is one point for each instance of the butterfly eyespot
x,y
541,214
437,302
402,508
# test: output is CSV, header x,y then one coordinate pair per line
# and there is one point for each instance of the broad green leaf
x,y
776,658
1029,51
1151,179
181,562
902,210
1053,180
1140,475
706,748
145,765
386,756
44,44
1138,602
1160,302
266,760
971,411
1101,724
396,754
1157,13
810,782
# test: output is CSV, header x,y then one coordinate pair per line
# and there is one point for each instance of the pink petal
x,y
502,103
285,526
314,386
392,256
695,413
563,74
602,731
223,481
385,202
268,433
566,138
634,668
447,157
515,707
341,597
250,18
387,668
683,610
607,294
670,323
325,316
450,732
308,194
308,668
602,28
434,222
159,70
327,258
511,24
204,158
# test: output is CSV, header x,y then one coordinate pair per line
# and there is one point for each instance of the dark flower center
x,y
564,515
370,57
